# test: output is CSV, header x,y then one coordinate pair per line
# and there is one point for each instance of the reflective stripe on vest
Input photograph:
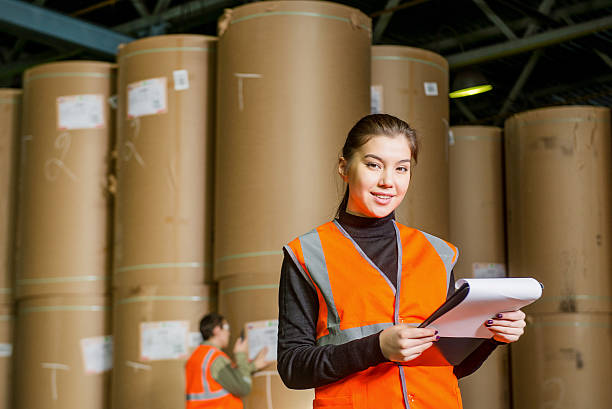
x,y
207,394
315,264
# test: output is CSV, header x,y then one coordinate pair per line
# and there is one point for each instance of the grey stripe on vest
x,y
364,255
315,264
399,273
445,252
299,266
207,394
404,390
351,334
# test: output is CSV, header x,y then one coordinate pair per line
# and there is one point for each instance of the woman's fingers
x,y
506,323
511,315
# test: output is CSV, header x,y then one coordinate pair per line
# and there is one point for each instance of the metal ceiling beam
x,y
465,110
186,10
383,21
140,7
499,23
545,7
489,32
558,89
161,6
534,42
39,23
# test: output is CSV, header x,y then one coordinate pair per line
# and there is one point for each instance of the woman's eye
x,y
373,165
402,169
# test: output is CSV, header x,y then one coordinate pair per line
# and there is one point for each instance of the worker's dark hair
x,y
208,323
376,125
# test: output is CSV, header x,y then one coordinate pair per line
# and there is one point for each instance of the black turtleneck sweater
x,y
301,363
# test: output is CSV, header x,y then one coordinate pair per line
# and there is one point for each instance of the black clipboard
x,y
454,300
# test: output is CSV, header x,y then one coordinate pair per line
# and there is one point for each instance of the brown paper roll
x,y
412,84
559,183
10,116
6,356
164,165
58,352
563,362
477,201
153,376
254,297
67,127
477,229
293,80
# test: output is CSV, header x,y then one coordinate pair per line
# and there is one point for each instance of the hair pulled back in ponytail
x,y
376,125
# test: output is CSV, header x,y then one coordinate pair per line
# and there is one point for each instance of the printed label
x,y
181,79
195,339
376,99
451,137
147,97
262,334
97,354
164,340
6,350
488,270
431,88
80,112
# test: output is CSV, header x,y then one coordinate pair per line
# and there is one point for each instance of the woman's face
x,y
378,176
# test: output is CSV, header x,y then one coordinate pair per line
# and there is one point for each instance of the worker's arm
x,y
234,379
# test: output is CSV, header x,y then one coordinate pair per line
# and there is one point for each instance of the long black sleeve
x,y
301,363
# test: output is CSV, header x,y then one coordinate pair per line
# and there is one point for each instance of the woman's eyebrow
x,y
371,155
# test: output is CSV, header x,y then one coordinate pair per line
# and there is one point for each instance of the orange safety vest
x,y
356,299
202,391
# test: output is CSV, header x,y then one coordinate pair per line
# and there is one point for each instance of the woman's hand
x,y
507,326
402,343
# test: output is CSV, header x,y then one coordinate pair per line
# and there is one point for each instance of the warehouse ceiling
x,y
536,53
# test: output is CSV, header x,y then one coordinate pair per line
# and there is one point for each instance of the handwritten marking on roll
x,y
241,77
54,166
54,368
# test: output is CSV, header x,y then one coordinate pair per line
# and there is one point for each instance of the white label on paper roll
x,y
97,354
431,88
80,112
147,97
488,270
6,350
262,334
181,80
164,340
195,339
376,99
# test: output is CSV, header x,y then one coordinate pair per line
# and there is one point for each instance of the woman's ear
x,y
342,168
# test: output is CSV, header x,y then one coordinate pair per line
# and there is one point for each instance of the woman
x,y
352,291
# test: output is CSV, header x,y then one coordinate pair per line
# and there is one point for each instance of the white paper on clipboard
x,y
485,298
262,334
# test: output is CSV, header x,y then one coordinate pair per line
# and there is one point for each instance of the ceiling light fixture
x,y
469,82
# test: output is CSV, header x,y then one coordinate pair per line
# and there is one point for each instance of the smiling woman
x,y
353,290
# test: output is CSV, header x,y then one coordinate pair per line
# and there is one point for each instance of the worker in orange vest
x,y
353,290
212,380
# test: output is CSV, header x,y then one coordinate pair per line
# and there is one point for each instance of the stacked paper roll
x,y
412,84
63,257
64,348
293,79
163,215
477,229
559,181
10,111
156,329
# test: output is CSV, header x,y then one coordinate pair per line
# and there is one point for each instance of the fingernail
x,y
499,315
436,332
490,322
437,337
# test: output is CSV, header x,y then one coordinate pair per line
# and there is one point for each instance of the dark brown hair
x,y
376,125
208,324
